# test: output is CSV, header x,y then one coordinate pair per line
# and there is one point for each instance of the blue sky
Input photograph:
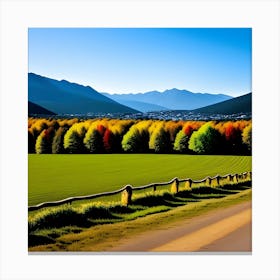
x,y
132,60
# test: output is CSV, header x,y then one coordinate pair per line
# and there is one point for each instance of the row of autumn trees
x,y
74,136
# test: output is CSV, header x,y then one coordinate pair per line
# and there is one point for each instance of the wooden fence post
x,y
126,196
188,184
208,181
175,186
249,175
218,180
235,178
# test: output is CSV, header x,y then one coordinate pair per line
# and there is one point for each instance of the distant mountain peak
x,y
64,97
172,89
170,99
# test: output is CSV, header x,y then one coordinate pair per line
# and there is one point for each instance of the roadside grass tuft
x,y
93,211
101,238
56,218
47,225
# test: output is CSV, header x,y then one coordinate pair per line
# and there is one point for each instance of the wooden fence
x,y
216,181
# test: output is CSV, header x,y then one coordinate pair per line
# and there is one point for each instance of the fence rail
x,y
128,189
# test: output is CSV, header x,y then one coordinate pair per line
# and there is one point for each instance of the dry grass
x,y
102,237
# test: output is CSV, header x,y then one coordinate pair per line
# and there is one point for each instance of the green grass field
x,y
53,177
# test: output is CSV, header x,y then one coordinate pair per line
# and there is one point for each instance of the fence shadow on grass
x,y
238,187
165,199
181,193
198,196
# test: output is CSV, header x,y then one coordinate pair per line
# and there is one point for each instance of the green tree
x,y
206,140
181,143
73,139
136,140
247,137
44,141
57,143
160,141
94,141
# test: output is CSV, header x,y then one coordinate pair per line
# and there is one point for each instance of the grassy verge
x,y
121,222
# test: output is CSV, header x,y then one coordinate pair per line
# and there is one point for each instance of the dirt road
x,y
226,230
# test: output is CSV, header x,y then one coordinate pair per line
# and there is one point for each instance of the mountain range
x,y
171,99
63,97
49,96
240,104
38,110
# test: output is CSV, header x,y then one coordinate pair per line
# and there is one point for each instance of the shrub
x,y
97,212
56,218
